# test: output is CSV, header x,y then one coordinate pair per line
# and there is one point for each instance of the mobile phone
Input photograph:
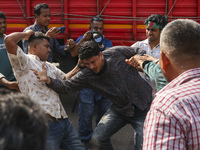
x,y
61,29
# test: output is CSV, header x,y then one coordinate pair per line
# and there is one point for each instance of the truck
x,y
123,19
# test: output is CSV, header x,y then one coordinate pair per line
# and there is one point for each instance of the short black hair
x,y
88,49
95,19
38,7
2,15
158,19
180,40
23,123
38,36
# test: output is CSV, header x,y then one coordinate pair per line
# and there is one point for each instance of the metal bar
x,y
134,21
97,7
66,21
171,7
198,9
28,12
62,12
166,8
104,7
24,14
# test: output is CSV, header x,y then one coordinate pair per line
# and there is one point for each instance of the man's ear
x,y
34,46
164,60
36,16
100,53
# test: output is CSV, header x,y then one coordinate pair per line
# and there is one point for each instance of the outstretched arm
x,y
74,84
12,39
42,75
137,61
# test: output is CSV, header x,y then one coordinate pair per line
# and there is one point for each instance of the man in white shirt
x,y
62,134
155,23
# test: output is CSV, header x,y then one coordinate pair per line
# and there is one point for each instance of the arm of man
x,y
137,61
87,36
59,86
80,65
9,84
154,71
12,39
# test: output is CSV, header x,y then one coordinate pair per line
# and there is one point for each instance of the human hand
x,y
147,57
136,62
87,36
42,75
13,85
69,44
53,32
28,34
81,63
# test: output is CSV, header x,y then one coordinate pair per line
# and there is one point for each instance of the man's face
x,y
44,18
95,63
43,50
3,26
153,34
98,26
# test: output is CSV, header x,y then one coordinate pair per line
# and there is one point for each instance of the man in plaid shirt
x,y
173,121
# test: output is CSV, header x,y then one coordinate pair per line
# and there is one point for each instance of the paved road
x,y
122,140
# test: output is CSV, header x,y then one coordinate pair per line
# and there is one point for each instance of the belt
x,y
53,119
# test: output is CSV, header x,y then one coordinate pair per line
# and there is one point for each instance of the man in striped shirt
x,y
173,121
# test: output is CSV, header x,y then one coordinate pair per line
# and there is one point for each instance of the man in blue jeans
x,y
107,73
61,134
88,98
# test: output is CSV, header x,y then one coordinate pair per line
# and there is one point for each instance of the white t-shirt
x,y
155,52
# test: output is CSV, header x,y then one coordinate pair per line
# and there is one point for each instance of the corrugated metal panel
x,y
144,9
115,28
184,8
17,13
12,9
123,20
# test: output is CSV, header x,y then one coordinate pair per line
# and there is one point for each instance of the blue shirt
x,y
54,45
106,43
5,66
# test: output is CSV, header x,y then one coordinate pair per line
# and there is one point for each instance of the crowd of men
x,y
153,85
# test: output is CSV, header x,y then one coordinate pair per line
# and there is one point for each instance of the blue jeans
x,y
62,135
112,122
88,100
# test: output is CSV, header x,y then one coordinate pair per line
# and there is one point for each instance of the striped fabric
x,y
173,122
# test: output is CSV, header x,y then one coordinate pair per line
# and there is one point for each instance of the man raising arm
x,y
62,134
